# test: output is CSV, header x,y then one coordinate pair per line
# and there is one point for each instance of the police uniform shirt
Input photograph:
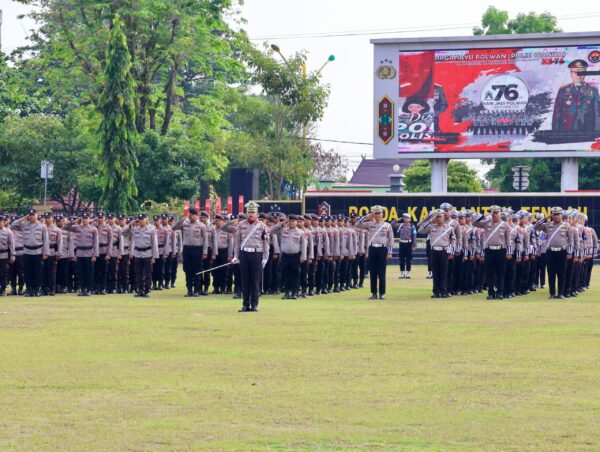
x,y
18,239
309,242
67,250
144,242
224,241
560,236
352,241
322,242
212,241
7,244
116,232
469,240
258,241
105,238
193,233
55,240
516,240
35,237
291,240
378,234
442,237
86,240
495,235
406,232
163,234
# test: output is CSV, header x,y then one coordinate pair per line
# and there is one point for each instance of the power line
x,y
341,141
403,30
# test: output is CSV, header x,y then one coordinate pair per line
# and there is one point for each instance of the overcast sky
x,y
349,115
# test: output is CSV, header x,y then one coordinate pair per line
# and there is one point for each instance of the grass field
x,y
332,372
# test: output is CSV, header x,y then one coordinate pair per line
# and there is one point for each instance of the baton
x,y
214,268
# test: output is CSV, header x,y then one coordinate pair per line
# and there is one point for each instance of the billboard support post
x,y
439,175
569,174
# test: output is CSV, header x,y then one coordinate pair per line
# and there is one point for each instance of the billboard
x,y
499,100
418,206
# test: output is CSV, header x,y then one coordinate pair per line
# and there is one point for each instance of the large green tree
x,y
461,178
117,128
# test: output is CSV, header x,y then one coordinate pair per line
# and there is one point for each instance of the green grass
x,y
333,372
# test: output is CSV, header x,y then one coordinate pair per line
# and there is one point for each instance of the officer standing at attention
x,y
212,253
251,251
292,243
7,253
177,249
380,242
36,249
17,275
407,235
105,247
67,253
51,262
224,243
115,255
144,244
559,250
195,249
497,250
86,251
442,239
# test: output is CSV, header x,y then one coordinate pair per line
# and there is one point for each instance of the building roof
x,y
377,171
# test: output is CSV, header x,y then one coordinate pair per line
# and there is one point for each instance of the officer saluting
x,y
195,249
36,244
379,249
443,240
144,249
559,249
251,250
86,251
497,250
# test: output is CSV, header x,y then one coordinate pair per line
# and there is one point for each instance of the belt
x,y
405,241
143,249
439,248
104,244
556,248
495,247
54,247
84,248
251,250
19,248
33,247
115,243
377,245
4,251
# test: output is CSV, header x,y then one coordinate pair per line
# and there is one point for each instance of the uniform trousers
x,y
49,275
557,267
439,269
32,266
17,273
192,264
85,274
100,272
405,254
290,272
320,274
220,274
158,270
62,268
510,276
303,276
377,268
251,273
113,274
343,272
206,265
495,269
4,266
143,274
123,278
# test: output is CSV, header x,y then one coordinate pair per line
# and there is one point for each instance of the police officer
x,y
17,273
322,252
144,246
212,253
379,249
497,250
163,233
105,249
195,249
309,251
86,252
407,243
125,261
224,243
177,249
36,249
251,251
51,262
115,255
442,249
7,253
67,254
559,250
292,243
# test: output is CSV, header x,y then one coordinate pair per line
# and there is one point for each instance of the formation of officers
x,y
506,253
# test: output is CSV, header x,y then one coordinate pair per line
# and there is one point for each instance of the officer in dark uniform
x,y
577,105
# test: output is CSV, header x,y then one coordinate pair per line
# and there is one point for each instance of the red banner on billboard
x,y
515,99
